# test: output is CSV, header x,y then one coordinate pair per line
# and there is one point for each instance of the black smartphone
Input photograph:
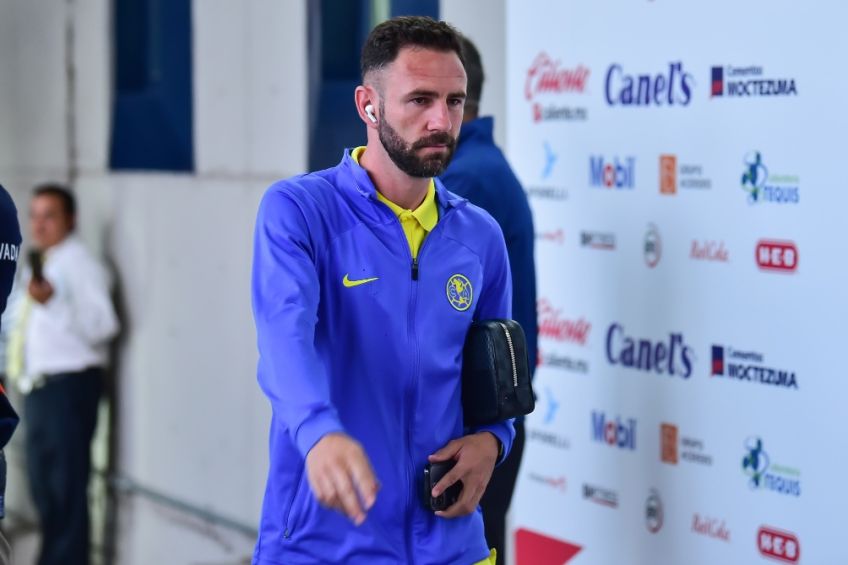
x,y
36,264
433,473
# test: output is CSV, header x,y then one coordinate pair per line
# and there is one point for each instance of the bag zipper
x,y
511,355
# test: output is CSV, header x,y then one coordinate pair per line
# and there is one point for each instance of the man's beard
x,y
405,156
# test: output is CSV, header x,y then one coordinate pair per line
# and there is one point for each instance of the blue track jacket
x,y
379,360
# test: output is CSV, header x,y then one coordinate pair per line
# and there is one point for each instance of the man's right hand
x,y
40,290
341,476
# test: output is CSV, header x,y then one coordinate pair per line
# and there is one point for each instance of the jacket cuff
x,y
505,432
314,428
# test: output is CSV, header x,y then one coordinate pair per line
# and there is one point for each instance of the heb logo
x,y
614,433
779,545
775,255
547,76
552,325
533,548
615,174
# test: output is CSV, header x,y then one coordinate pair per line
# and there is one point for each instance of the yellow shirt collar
x,y
427,212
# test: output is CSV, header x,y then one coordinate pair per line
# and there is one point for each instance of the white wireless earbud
x,y
369,111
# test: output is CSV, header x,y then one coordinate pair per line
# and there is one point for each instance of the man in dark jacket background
x,y
479,172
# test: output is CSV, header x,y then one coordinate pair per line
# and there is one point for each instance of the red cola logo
x,y
779,545
546,76
552,325
709,251
710,527
774,255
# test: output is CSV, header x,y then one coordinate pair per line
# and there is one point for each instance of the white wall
x,y
193,422
484,22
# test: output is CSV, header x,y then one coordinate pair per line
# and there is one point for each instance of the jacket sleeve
x,y
496,302
285,293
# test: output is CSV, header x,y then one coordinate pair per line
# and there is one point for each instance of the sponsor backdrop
x,y
683,165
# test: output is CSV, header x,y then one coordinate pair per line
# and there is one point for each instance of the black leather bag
x,y
495,373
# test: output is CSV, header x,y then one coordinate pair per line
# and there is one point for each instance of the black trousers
x,y
498,495
60,420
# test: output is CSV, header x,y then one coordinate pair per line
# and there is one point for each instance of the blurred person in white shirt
x,y
56,353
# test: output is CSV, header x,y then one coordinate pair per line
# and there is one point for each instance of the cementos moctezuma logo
x,y
671,357
670,88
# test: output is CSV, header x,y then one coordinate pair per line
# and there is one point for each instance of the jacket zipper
x,y
511,355
414,273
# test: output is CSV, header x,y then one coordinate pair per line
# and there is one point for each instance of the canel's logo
x,y
672,357
670,88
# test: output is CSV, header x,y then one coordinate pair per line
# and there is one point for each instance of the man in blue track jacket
x,y
366,278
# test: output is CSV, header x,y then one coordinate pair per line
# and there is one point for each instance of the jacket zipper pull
x,y
414,269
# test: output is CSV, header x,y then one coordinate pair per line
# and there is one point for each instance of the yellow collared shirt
x,y
416,223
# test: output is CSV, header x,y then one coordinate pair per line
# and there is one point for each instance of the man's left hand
x,y
475,456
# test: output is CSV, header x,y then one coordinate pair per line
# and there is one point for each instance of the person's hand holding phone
x,y
475,457
39,288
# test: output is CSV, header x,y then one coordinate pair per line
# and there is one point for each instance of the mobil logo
x,y
774,255
618,173
618,432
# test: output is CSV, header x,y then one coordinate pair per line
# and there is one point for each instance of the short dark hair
x,y
387,39
474,71
60,191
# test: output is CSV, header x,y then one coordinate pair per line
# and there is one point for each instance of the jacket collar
x,y
365,187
